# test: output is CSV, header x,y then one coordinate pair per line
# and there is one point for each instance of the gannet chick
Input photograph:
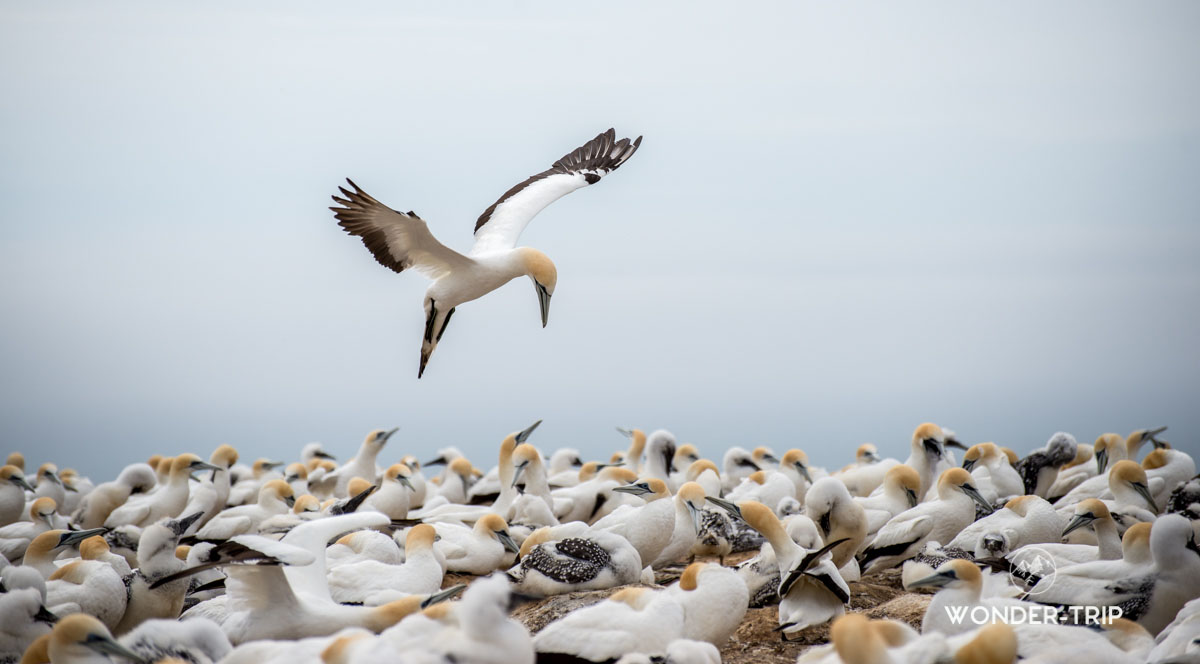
x,y
149,596
553,563
479,550
168,502
939,521
373,582
12,494
738,465
648,527
197,641
44,548
395,490
928,452
15,537
362,465
95,507
900,491
1024,520
1039,470
829,504
274,498
210,495
87,586
632,620
992,472
82,639
25,618
689,502
637,444
961,585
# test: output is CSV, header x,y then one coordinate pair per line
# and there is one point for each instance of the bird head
x,y
539,268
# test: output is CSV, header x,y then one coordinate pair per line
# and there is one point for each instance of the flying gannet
x,y
401,241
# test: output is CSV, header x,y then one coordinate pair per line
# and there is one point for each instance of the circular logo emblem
x,y
1032,569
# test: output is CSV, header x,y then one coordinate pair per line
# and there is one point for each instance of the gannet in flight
x,y
401,240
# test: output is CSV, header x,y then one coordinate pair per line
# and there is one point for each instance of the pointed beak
x,y
443,595
49,520
105,645
517,471
912,497
953,442
524,435
633,489
507,541
181,525
936,581
968,464
322,454
1080,521
872,457
76,536
68,487
934,448
803,470
1101,461
204,465
440,461
20,481
53,478
290,501
695,512
388,434
977,497
725,505
628,433
44,615
405,481
543,303
1144,492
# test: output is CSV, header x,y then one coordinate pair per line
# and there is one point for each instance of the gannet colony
x,y
662,552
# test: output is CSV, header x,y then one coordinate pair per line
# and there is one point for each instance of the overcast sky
x,y
844,220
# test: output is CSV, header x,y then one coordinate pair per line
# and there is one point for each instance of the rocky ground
x,y
755,641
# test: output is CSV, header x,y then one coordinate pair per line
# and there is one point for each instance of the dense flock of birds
x,y
182,559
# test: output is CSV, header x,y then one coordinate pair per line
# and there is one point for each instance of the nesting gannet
x,y
399,241
1181,637
274,498
996,479
17,460
1023,520
1166,469
704,472
632,620
44,548
738,465
1090,461
25,618
479,550
586,501
307,508
648,527
15,537
48,485
82,639
939,521
12,494
144,509
899,491
829,504
961,585
373,582
1091,513
660,455
197,641
1039,470
95,507
529,474
210,495
632,458
714,601
497,484
87,586
149,595
363,546
362,465
679,651
685,455
689,501
867,472
247,481
552,564
764,486
395,490
296,475
927,453
454,483
76,488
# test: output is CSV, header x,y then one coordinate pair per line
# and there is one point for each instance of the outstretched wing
x,y
501,224
397,240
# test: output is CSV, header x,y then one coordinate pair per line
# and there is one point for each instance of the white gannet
x,y
1039,470
867,472
1181,637
150,596
95,507
307,508
210,495
995,477
44,548
362,465
648,527
500,484
373,582
660,455
1166,469
689,501
197,641
454,483
634,619
1094,513
1090,461
15,459
714,601
685,455
763,486
87,586
296,475
529,475
632,458
738,465
274,498
81,639
25,618
245,482
48,485
395,490
479,550
1023,520
899,491
704,472
168,502
315,450
417,478
829,504
399,241
363,546
927,454
679,651
586,500
15,537
553,563
12,494
961,585
938,520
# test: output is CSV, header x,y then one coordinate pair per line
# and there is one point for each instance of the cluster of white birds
x,y
182,559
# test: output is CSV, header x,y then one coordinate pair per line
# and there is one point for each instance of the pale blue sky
x,y
845,219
